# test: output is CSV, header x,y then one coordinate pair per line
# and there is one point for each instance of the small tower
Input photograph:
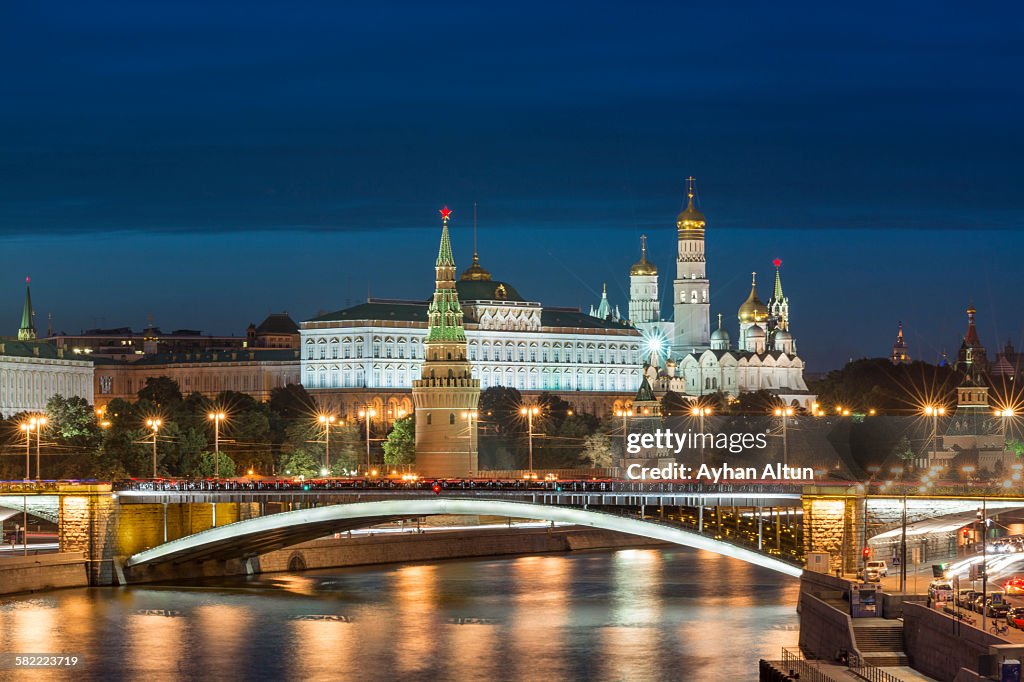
x,y
446,395
778,304
900,354
27,330
643,289
690,290
753,316
972,355
646,420
604,309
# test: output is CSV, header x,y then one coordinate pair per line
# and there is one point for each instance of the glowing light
x,y
777,262
445,213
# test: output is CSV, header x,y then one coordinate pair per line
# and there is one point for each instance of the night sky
x,y
207,163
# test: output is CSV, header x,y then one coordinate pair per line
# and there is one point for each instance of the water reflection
x,y
631,614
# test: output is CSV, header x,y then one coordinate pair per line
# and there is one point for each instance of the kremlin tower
x,y
446,395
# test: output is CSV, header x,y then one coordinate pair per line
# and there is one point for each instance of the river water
x,y
635,614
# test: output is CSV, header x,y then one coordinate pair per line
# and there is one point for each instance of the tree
x,y
204,466
71,420
163,392
300,463
598,451
400,445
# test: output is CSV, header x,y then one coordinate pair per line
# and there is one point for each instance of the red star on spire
x,y
445,212
27,280
777,262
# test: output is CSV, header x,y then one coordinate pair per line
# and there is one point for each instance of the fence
x,y
793,659
869,672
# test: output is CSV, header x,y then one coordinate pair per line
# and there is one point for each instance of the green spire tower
x,y
27,330
446,394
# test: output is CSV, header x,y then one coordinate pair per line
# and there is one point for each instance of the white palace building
x,y
368,355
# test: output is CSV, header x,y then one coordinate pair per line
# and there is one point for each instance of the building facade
x,y
32,372
212,372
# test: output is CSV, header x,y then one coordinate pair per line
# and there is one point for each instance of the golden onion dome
x,y
475,272
690,222
643,266
753,310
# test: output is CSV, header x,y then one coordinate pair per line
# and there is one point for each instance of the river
x,y
635,614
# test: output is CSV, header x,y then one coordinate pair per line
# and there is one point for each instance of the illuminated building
x,y
900,354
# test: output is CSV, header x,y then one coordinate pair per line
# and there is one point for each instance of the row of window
x,y
511,352
533,380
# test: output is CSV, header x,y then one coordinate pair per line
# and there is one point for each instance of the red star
x,y
445,212
777,262
27,280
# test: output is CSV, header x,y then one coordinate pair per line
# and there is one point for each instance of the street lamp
x,y
28,445
369,413
154,424
216,418
700,412
469,416
935,411
327,420
785,413
1004,415
529,412
39,422
625,414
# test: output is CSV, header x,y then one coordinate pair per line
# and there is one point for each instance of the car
x,y
872,575
1014,585
976,605
940,591
965,598
1015,617
996,609
879,566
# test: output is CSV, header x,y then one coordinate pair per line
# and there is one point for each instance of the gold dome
x,y
753,310
690,222
475,272
643,266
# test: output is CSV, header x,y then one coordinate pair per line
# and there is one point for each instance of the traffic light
x,y
867,552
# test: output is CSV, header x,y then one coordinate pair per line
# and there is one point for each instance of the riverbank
x,y
42,572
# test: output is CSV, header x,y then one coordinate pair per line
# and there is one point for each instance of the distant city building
x,y
900,353
256,373
1007,366
278,330
604,310
122,343
32,371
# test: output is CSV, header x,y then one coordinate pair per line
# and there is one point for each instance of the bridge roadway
x,y
582,494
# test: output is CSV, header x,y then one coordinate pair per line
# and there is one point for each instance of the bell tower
x,y
446,394
692,304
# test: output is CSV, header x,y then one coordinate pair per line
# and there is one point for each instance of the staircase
x,y
880,641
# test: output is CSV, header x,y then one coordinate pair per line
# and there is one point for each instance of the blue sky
x,y
207,163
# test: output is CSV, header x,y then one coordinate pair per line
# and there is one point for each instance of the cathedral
x,y
684,354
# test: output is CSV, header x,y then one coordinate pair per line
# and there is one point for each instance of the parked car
x,y
940,590
996,609
965,599
879,566
1015,617
976,605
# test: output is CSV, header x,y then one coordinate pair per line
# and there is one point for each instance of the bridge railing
x,y
14,487
388,484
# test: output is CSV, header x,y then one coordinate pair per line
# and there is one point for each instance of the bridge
x,y
150,527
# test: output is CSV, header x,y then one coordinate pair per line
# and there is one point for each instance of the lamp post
x,y
24,498
154,424
625,414
28,445
1004,415
700,412
785,413
216,418
40,422
469,416
369,413
327,420
935,411
529,412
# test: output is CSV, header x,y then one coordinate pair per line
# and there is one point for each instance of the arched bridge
x,y
266,533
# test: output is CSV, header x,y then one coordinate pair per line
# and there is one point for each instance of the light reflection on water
x,y
624,615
